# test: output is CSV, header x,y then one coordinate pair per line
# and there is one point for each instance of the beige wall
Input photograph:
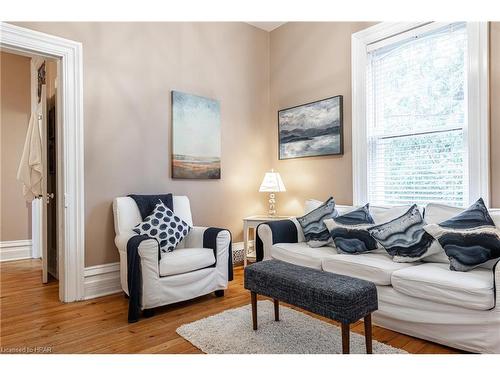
x,y
129,70
15,98
311,61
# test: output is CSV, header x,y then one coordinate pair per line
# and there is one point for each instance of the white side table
x,y
252,222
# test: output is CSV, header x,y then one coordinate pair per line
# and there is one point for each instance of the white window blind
x,y
416,119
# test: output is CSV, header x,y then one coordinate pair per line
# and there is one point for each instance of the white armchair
x,y
187,272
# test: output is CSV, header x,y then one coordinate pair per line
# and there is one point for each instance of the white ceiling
x,y
267,26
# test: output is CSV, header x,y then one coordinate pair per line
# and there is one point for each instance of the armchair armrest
x,y
271,232
122,239
148,250
195,237
221,244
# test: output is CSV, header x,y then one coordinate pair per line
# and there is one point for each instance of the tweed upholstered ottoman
x,y
342,298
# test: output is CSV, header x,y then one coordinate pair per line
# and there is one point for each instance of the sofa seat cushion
x,y
185,260
436,282
302,254
376,268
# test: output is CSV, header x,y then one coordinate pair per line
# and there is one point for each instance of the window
x,y
413,139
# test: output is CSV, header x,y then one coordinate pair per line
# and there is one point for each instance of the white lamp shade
x,y
272,183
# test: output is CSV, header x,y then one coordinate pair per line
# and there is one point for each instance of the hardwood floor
x,y
32,317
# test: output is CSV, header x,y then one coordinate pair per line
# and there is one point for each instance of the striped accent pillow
x,y
349,232
404,237
469,239
315,231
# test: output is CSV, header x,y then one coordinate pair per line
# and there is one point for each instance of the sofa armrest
x,y
496,281
271,232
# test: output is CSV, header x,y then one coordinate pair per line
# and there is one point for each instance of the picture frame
x,y
196,137
311,129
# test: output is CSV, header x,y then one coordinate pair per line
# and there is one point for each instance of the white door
x,y
42,123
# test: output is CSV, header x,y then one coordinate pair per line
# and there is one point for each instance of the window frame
x,y
477,96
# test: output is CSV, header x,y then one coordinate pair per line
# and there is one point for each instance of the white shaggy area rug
x,y
230,332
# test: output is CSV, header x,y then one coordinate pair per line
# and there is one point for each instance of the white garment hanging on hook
x,y
30,171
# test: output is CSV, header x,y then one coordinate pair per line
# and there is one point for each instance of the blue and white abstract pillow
x,y
349,232
164,226
469,239
404,237
315,231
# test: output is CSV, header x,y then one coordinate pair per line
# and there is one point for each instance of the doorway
x,y
30,133
45,210
70,175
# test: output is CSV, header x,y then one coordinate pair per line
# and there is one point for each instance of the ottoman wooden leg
x,y
276,310
345,338
254,310
368,333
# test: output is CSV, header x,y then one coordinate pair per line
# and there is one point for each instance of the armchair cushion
x,y
185,260
164,226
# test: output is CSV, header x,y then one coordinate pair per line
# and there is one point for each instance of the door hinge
x,y
66,200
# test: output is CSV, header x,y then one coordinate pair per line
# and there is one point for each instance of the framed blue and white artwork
x,y
312,129
196,138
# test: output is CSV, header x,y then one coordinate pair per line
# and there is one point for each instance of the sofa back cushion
x,y
311,205
127,215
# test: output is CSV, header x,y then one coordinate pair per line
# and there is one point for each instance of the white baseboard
x,y
15,250
102,280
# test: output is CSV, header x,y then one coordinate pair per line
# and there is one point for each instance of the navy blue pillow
x,y
469,239
349,232
315,231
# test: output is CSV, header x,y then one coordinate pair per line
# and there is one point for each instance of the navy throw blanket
x,y
146,205
210,242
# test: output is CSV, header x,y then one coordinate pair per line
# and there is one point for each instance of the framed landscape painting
x,y
312,129
196,140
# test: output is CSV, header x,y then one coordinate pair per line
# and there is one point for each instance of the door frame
x,y
71,197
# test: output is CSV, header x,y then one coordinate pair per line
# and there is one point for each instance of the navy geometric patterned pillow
x,y
315,231
349,232
164,226
469,239
404,237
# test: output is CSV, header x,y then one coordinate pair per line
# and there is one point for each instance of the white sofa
x,y
423,299
183,274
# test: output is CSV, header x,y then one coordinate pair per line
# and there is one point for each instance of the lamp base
x,y
272,205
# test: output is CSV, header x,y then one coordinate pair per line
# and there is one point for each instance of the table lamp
x,y
272,183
